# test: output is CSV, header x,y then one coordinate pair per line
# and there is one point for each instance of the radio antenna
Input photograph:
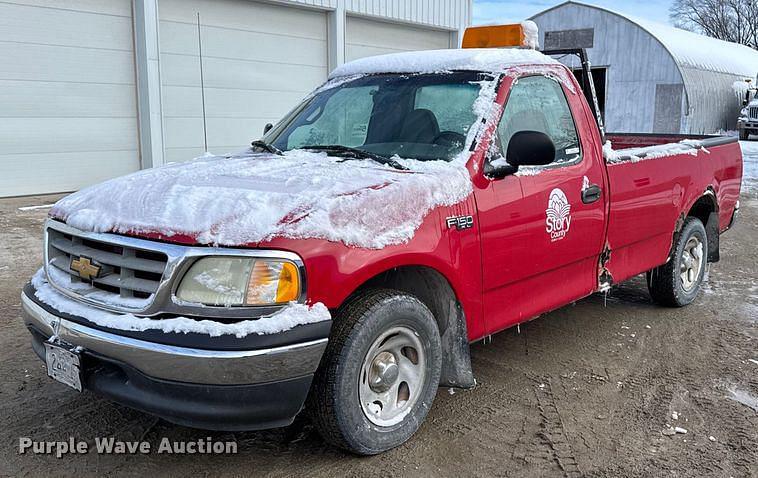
x,y
202,82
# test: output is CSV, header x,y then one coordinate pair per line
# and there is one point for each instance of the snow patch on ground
x,y
743,397
750,166
290,316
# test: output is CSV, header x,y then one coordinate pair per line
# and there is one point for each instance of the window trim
x,y
554,165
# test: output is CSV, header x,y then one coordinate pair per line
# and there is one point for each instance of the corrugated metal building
x,y
92,89
650,77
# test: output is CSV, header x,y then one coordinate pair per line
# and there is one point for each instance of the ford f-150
x,y
413,204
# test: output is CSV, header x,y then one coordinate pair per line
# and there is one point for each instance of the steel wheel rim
x,y
392,376
691,263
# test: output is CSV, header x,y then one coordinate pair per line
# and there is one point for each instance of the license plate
x,y
63,365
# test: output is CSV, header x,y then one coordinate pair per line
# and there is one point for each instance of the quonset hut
x,y
650,77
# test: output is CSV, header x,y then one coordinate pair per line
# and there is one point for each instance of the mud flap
x,y
456,362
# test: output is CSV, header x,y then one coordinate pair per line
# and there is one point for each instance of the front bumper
x,y
213,389
747,124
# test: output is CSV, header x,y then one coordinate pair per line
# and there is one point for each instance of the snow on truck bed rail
x,y
687,146
289,317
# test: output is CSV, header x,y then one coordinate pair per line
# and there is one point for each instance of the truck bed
x,y
653,180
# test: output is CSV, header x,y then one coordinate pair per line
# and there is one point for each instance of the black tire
x,y
744,135
665,282
334,402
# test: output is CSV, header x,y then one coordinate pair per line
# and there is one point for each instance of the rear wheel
x,y
677,283
379,374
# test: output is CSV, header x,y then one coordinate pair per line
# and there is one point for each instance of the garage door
x,y
259,60
364,37
67,95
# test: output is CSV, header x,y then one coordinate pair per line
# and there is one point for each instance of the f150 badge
x,y
460,222
558,212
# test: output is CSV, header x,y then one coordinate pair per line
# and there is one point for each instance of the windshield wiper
x,y
259,143
354,153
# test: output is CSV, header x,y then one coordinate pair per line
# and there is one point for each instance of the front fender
x,y
334,271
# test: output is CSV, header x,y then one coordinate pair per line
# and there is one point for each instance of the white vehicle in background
x,y
747,123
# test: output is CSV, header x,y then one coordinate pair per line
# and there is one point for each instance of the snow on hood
x,y
493,60
252,197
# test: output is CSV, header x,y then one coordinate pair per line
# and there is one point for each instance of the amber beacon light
x,y
521,35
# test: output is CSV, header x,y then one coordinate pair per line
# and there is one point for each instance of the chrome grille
x,y
129,276
753,112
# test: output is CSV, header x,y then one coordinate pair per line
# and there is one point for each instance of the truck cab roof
x,y
495,60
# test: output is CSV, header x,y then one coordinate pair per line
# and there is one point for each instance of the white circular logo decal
x,y
558,213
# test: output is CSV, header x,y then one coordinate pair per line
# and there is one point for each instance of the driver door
x,y
546,241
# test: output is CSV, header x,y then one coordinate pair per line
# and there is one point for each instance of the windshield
x,y
425,117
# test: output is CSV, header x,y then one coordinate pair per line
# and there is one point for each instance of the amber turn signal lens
x,y
273,283
289,283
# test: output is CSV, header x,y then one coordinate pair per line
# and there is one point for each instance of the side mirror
x,y
267,128
744,102
530,148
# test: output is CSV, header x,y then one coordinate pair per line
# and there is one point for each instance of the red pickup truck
x,y
413,204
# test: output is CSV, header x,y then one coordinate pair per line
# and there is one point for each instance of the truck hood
x,y
248,198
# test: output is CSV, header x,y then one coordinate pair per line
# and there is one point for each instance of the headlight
x,y
235,281
743,111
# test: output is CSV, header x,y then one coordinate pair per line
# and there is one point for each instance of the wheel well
x,y
434,290
706,209
703,207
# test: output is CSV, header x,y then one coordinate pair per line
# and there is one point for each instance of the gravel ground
x,y
583,391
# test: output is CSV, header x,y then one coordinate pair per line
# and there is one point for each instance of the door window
x,y
537,103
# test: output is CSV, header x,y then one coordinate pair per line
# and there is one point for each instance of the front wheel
x,y
676,283
744,134
379,374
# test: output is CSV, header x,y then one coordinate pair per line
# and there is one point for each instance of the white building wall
x,y
68,113
369,37
452,14
259,60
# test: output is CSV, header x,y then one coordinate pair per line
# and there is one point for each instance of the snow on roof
x,y
432,61
691,49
